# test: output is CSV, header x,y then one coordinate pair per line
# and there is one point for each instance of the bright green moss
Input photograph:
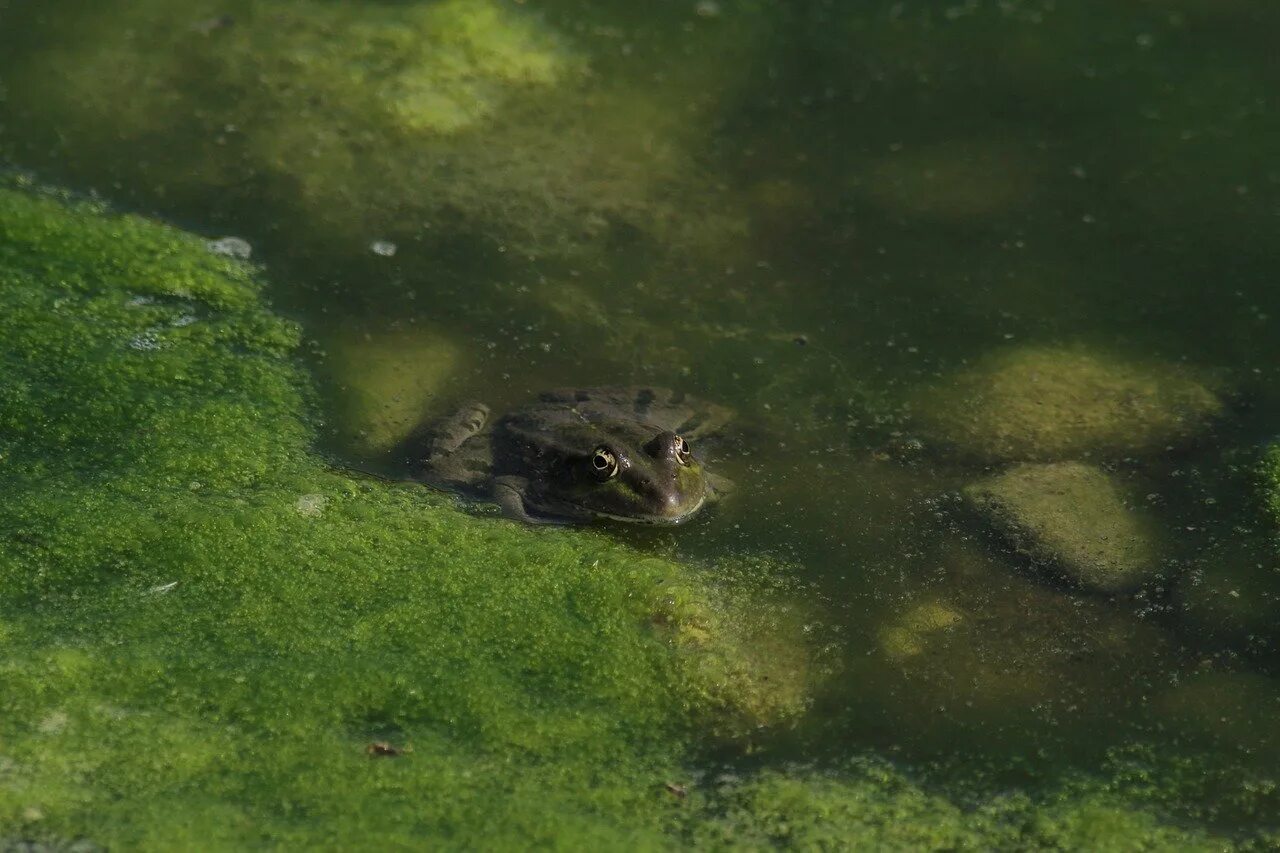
x,y
869,806
200,615
203,626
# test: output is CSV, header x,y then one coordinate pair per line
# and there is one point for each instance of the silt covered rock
x,y
1075,518
385,383
1042,404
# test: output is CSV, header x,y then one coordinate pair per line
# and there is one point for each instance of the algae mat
x,y
204,627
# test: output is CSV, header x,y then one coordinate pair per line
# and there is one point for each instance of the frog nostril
x,y
665,445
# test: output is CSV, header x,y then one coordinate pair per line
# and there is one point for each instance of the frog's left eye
x,y
603,463
682,450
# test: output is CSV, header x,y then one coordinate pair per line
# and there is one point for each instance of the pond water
x,y
829,217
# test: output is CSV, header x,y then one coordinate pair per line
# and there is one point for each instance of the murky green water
x,y
808,211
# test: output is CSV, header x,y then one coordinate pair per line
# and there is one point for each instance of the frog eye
x,y
682,450
603,463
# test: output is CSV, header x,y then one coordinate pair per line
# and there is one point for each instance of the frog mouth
x,y
657,521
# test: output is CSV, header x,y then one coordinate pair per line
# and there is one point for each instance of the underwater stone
x,y
909,636
386,381
1043,404
1074,517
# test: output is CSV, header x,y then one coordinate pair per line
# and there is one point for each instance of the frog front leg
x,y
448,434
456,453
718,487
508,494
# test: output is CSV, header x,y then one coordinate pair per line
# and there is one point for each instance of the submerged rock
x,y
910,635
385,382
1046,404
1075,518
972,654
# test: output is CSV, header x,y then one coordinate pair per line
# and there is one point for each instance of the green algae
x,y
868,805
371,120
199,614
204,626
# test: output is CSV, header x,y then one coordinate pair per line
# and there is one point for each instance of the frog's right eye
x,y
603,463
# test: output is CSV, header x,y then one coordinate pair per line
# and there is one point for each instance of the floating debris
x,y
383,749
54,723
146,342
231,247
385,248
162,588
677,791
311,506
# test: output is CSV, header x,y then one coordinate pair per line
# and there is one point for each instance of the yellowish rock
x,y
1075,518
910,636
385,383
978,648
1053,403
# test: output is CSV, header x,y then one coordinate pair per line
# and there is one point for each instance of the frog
x,y
576,455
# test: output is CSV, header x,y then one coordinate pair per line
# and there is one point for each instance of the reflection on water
x,y
845,221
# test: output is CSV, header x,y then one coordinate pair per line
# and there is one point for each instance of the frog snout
x,y
664,445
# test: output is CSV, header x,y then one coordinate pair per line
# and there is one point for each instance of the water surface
x,y
807,211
